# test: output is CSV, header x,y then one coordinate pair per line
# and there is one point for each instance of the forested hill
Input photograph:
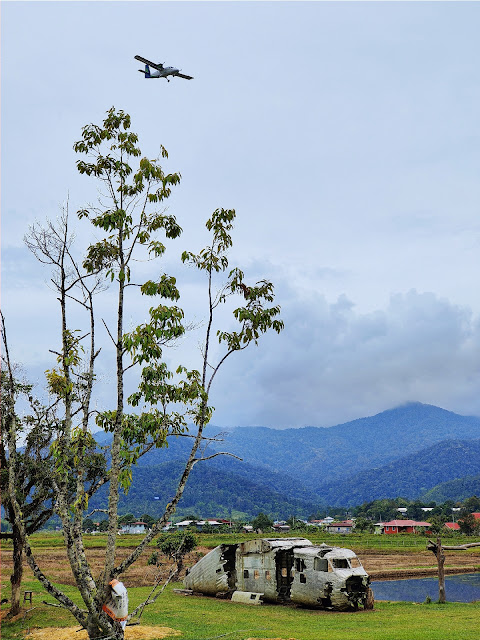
x,y
401,452
458,489
409,477
211,492
315,454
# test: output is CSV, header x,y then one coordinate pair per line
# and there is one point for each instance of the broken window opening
x,y
256,574
303,579
245,573
268,575
355,563
299,564
340,563
320,564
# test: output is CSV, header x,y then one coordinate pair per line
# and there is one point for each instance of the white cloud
x,y
332,364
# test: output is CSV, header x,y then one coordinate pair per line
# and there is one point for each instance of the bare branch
x,y
219,453
96,511
151,600
108,331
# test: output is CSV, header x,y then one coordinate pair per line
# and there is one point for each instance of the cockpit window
x,y
355,563
340,563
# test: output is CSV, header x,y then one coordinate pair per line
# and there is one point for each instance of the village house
x,y
199,524
453,526
405,526
340,527
321,523
378,527
134,527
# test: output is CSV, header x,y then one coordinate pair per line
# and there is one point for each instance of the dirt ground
x,y
140,632
417,563
54,563
378,564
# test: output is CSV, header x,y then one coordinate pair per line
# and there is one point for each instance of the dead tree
x,y
438,549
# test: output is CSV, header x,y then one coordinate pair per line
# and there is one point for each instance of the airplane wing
x,y
158,66
181,75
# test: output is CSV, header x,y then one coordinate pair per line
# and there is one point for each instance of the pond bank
x,y
419,573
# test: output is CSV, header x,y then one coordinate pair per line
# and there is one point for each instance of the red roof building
x,y
453,526
404,526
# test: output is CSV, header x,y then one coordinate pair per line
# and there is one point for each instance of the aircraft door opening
x,y
284,573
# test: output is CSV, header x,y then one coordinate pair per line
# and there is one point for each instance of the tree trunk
x,y
441,571
179,563
95,632
17,573
370,600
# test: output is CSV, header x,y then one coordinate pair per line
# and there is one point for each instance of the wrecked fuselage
x,y
284,570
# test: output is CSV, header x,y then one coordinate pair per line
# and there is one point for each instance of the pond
x,y
458,588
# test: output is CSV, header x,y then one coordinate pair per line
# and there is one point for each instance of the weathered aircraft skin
x,y
284,570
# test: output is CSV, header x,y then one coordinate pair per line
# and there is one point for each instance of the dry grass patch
x,y
55,565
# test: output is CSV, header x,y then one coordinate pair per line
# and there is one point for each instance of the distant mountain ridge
x,y
405,451
408,477
457,489
315,455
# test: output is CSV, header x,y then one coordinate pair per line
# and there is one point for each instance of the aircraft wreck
x,y
283,570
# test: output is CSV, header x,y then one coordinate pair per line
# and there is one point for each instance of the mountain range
x,y
416,451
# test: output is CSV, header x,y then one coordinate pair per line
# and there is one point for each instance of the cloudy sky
x,y
346,136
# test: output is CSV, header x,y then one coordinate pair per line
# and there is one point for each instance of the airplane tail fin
x,y
146,71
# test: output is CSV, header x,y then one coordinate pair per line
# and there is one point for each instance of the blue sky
x,y
346,136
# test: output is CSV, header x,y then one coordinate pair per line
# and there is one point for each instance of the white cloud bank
x,y
332,364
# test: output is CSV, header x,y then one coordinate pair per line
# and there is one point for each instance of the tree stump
x,y
370,600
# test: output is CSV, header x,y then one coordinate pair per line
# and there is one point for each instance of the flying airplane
x,y
160,70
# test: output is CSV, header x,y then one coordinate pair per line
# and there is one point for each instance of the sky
x,y
344,134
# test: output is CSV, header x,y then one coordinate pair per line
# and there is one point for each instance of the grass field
x,y
357,541
201,618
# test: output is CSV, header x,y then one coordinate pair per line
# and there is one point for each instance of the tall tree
x,y
27,464
467,523
32,464
164,401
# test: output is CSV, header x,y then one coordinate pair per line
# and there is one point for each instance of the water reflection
x,y
458,588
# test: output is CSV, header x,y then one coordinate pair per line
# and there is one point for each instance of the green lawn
x,y
207,618
201,618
